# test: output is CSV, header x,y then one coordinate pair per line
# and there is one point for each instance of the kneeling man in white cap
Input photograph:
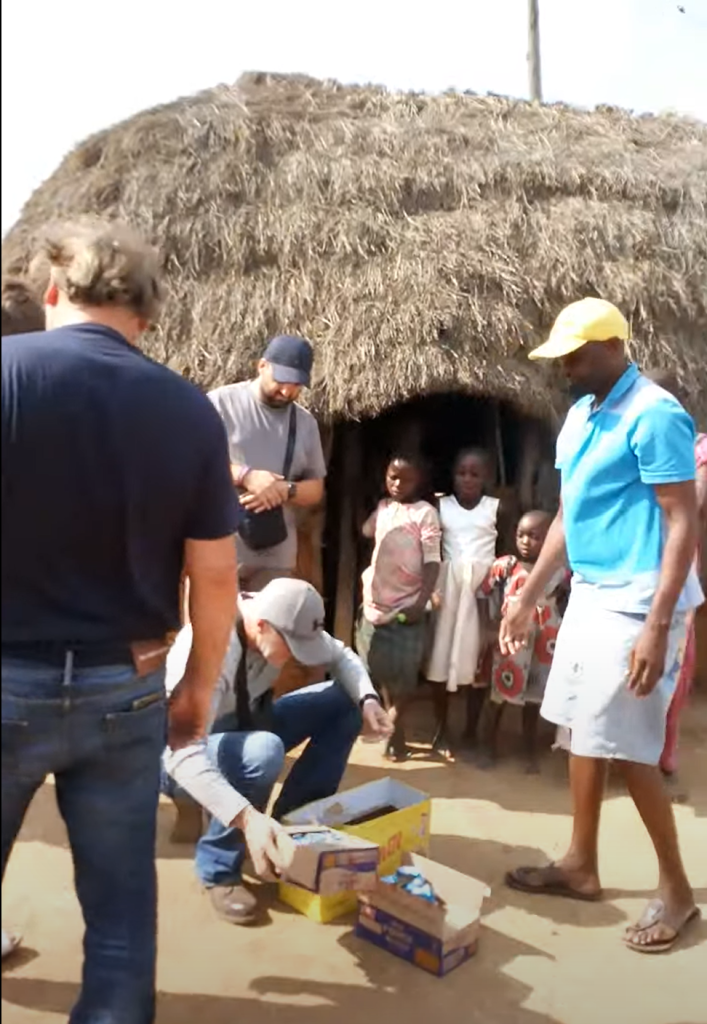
x,y
232,771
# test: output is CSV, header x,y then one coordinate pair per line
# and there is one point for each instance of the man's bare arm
x,y
210,567
308,493
702,495
702,511
252,480
678,503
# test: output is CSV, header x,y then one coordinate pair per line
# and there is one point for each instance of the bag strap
x,y
243,709
291,438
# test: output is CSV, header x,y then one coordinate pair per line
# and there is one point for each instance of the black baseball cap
x,y
290,359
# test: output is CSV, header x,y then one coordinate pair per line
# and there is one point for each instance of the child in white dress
x,y
468,518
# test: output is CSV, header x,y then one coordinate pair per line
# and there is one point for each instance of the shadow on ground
x,y
484,990
481,990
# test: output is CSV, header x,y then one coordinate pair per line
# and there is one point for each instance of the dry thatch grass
x,y
421,242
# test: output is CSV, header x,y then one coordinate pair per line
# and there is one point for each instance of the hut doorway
x,y
436,426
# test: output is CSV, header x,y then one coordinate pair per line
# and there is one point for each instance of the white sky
x,y
72,67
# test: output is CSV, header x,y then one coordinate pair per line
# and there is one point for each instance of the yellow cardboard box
x,y
403,829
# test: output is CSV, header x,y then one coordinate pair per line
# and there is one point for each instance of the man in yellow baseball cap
x,y
589,339
579,324
628,525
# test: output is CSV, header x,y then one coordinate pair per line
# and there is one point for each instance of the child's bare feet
x,y
441,744
397,749
475,700
397,752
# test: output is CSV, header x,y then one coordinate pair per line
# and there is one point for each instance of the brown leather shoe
x,y
233,903
189,822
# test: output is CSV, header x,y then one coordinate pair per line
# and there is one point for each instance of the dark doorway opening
x,y
438,427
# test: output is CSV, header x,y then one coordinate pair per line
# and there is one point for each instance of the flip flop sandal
x,y
652,916
9,943
554,884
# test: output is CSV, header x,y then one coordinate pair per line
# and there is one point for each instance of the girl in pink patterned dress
x,y
397,587
520,678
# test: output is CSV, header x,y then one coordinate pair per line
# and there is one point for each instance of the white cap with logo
x,y
295,609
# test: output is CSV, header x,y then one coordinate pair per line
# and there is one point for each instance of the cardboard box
x,y
327,862
399,822
435,937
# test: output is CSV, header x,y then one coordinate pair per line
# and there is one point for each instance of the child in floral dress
x,y
520,678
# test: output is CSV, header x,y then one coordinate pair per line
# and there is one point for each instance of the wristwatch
x,y
369,696
291,490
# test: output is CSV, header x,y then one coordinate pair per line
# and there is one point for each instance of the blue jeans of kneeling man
x,y
325,715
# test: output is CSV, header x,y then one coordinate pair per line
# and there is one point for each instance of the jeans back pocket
x,y
143,723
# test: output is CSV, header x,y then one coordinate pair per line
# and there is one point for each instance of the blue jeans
x,y
81,726
325,715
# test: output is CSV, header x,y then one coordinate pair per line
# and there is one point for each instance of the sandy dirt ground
x,y
540,961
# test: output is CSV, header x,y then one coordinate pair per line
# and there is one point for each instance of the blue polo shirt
x,y
611,457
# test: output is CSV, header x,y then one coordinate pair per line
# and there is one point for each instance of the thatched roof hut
x,y
423,243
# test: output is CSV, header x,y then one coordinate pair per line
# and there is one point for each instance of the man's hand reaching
x,y
376,721
515,626
269,845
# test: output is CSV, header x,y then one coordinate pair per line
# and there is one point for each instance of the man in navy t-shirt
x,y
21,314
115,479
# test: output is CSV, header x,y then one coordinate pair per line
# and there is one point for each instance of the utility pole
x,y
534,75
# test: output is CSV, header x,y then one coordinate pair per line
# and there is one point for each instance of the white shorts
x,y
587,688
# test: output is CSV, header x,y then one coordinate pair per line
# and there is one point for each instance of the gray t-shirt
x,y
257,437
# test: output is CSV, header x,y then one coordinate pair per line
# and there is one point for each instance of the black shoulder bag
x,y
249,717
244,715
261,530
